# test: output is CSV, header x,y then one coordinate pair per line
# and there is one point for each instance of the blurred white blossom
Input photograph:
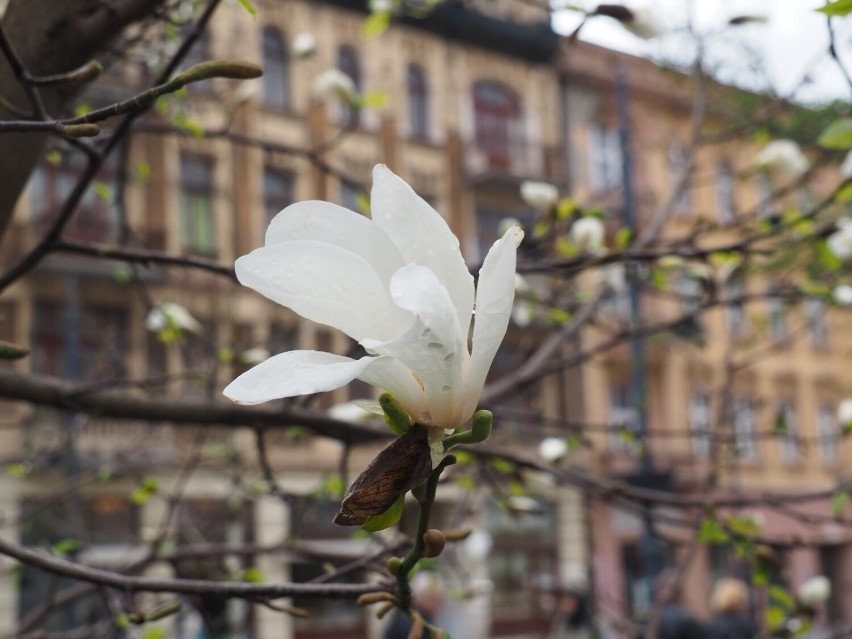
x,y
840,242
815,590
336,83
553,448
254,356
782,158
587,233
304,45
349,412
644,21
846,167
843,294
844,412
171,316
541,195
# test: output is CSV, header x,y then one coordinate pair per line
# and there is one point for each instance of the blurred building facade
x,y
481,98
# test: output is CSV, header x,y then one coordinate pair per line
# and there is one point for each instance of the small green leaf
x,y
67,546
466,482
363,201
12,351
837,8
559,315
623,237
54,157
839,501
374,99
154,632
387,519
151,484
102,190
503,465
565,208
82,109
573,442
837,135
776,617
713,532
782,597
248,6
18,470
565,247
844,194
253,575
143,172
376,23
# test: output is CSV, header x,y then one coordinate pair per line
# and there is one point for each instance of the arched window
x,y
348,62
498,123
418,101
276,92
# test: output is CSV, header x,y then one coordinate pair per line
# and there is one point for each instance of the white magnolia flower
x,y
336,83
254,355
304,45
541,195
843,294
844,412
587,233
783,158
169,315
553,448
380,6
815,590
846,167
840,242
397,284
349,412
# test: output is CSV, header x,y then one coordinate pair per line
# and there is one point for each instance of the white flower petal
x,y
494,297
434,346
422,236
333,224
390,375
295,373
326,284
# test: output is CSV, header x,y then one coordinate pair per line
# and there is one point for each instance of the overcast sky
x,y
792,41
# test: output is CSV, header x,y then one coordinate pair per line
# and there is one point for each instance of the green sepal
x,y
387,519
395,415
479,431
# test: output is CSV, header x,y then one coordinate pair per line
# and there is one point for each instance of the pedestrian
x,y
573,617
731,618
675,620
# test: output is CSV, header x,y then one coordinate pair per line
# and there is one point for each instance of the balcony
x,y
501,158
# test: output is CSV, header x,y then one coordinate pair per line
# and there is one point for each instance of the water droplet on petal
x,y
435,345
445,388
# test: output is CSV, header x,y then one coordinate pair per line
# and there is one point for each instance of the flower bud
x,y
814,591
393,565
434,541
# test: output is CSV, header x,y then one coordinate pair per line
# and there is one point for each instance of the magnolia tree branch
x,y
129,583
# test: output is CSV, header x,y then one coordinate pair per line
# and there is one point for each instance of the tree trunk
x,y
51,37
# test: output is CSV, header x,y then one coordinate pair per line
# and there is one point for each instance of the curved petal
x,y
422,237
326,222
396,378
295,373
494,296
434,347
326,284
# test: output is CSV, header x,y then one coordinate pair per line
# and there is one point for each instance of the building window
x,y
679,170
497,116
350,64
786,425
276,86
277,193
418,101
744,428
778,329
699,423
828,433
623,417
814,309
79,342
96,217
197,233
734,307
724,187
604,158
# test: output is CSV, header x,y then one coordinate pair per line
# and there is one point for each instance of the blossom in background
x,y
553,448
540,195
169,320
842,294
336,83
814,591
587,233
304,45
380,6
840,242
642,21
844,413
350,412
397,284
846,167
254,356
782,158
523,310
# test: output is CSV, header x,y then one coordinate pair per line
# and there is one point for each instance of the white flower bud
x,y
171,315
304,45
553,448
254,356
840,242
541,195
844,412
380,6
783,158
846,167
587,234
815,590
843,294
336,83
